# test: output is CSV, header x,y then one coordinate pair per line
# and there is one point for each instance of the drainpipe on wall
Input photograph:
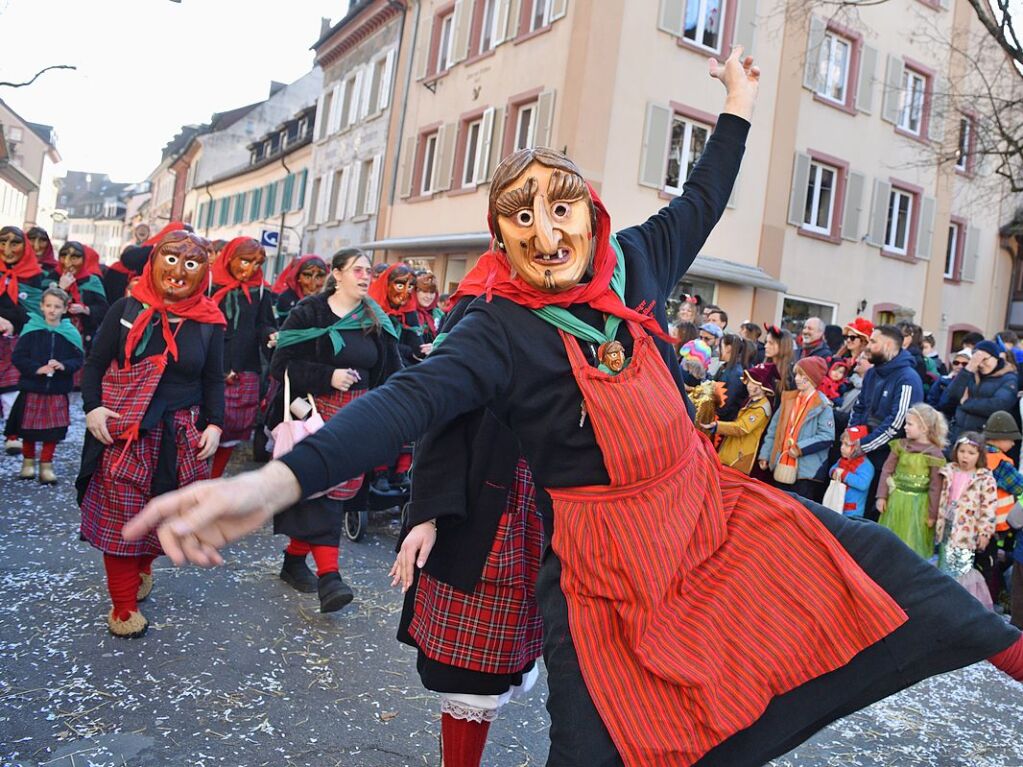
x,y
280,232
209,215
399,138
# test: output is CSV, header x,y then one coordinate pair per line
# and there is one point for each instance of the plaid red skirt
x,y
497,628
9,374
241,402
327,405
121,487
44,411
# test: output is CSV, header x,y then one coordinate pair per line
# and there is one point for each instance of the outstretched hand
x,y
193,523
415,550
741,78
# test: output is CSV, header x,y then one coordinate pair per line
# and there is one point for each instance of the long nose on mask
x,y
546,239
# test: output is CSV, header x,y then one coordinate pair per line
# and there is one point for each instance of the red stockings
x,y
325,556
28,450
462,741
1010,660
123,583
220,459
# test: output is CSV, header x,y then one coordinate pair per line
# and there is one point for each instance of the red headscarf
x,y
222,275
26,268
289,277
90,268
173,226
47,258
196,307
378,292
492,276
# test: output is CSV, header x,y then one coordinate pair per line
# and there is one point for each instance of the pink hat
x,y
696,350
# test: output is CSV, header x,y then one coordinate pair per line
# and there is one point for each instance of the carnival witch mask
x,y
12,244
612,356
246,260
426,283
543,218
72,257
311,278
39,238
180,266
399,286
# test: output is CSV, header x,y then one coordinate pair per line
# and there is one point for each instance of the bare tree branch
x,y
36,76
999,28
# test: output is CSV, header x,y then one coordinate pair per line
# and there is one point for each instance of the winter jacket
x,y
937,392
857,483
34,350
742,436
735,392
974,513
814,438
986,395
889,390
818,349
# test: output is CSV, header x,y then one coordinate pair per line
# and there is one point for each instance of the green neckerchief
x,y
93,284
65,329
230,307
438,315
354,320
33,298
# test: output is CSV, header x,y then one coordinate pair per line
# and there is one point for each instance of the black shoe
x,y
399,480
334,593
297,574
381,486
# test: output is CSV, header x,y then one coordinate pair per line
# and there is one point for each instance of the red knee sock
x,y
1010,660
49,448
326,559
123,584
404,463
220,459
28,450
462,741
146,564
297,548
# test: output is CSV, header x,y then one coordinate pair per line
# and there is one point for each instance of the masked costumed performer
x,y
301,278
241,294
153,392
393,291
21,289
640,670
79,275
428,305
43,247
335,346
126,270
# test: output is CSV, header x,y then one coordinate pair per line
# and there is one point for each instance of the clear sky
x,y
146,67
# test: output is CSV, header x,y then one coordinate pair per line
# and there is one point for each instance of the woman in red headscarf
x,y
394,291
247,304
301,278
21,289
43,247
78,274
153,393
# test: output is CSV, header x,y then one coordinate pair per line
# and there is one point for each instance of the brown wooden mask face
x,y
426,283
399,290
180,267
612,356
71,258
39,243
311,279
246,260
12,245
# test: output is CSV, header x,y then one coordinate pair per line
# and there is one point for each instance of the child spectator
x,y
48,352
835,385
741,438
855,473
1000,435
931,357
966,520
910,485
695,357
800,433
736,356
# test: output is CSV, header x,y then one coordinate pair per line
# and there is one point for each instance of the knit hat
x,y
987,346
813,368
696,350
1001,425
714,330
860,326
763,375
963,353
856,433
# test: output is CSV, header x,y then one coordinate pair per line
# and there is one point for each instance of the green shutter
x,y
289,191
300,202
210,213
257,198
201,216
268,206
225,207
239,207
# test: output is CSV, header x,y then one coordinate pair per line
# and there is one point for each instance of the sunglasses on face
x,y
958,364
852,338
707,339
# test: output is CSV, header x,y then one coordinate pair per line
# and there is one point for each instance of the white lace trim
x,y
458,710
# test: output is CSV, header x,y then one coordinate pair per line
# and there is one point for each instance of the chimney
x,y
276,87
324,26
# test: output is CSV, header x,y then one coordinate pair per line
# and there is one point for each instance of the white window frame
x,y
701,24
430,149
471,164
488,30
687,142
362,190
348,108
780,318
912,104
533,107
965,136
446,44
891,224
952,250
813,189
545,15
826,64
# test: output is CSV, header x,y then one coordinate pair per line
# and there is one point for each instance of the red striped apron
x,y
695,594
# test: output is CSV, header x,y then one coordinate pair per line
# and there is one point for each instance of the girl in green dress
x,y
910,486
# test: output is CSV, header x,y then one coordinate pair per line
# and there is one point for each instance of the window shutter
x,y
559,8
374,186
423,46
336,102
289,192
501,21
939,112
385,83
971,254
653,159
355,113
445,156
544,119
925,234
367,91
486,136
746,26
514,17
300,202
671,16
318,121
892,89
340,212
815,41
879,212
461,27
408,162
353,177
797,195
496,142
326,188
865,87
853,206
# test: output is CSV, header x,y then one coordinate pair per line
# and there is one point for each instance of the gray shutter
x,y
892,89
486,144
496,142
501,21
514,17
461,28
558,9
671,16
811,68
544,119
445,156
865,86
925,232
423,46
318,120
971,254
797,196
654,159
746,26
408,162
853,206
373,189
879,212
384,99
939,109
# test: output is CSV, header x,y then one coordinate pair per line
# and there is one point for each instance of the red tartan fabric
x,y
327,405
120,488
241,401
9,374
129,390
497,628
44,411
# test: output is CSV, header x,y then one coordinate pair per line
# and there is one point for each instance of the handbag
x,y
290,432
834,497
785,473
